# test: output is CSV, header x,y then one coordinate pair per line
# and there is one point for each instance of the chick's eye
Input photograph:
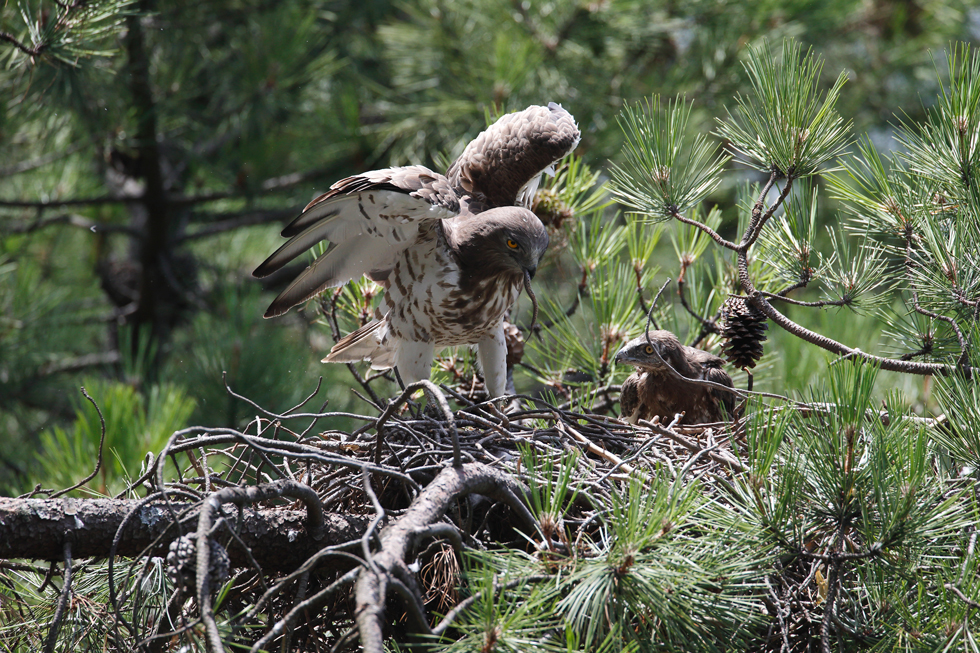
x,y
648,349
511,243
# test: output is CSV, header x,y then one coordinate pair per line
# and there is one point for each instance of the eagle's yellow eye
x,y
648,349
511,243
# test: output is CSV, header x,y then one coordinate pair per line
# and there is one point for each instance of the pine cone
x,y
182,561
744,332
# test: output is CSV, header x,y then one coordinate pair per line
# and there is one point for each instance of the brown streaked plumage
x,y
503,165
654,390
452,253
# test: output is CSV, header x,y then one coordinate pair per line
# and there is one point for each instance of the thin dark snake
x,y
534,301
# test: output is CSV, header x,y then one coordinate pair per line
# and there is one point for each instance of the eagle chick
x,y
653,389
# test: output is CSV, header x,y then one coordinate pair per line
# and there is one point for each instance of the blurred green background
x,y
207,125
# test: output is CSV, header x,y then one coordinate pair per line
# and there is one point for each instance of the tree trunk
x,y
36,529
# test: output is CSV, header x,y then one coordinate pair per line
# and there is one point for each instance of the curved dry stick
x,y
399,537
59,613
440,400
313,603
692,446
285,416
98,464
239,496
294,450
653,305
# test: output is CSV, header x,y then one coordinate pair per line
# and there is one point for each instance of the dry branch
x,y
36,529
398,539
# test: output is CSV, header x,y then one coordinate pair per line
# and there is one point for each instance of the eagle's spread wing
x,y
503,165
368,219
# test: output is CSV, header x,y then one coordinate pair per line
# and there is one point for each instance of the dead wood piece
x,y
211,510
36,529
399,538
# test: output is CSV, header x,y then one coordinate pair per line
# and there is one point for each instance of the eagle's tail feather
x,y
366,343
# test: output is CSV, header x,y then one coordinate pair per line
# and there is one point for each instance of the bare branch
x,y
98,464
73,220
397,539
727,244
59,613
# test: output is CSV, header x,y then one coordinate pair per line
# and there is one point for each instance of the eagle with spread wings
x,y
452,251
665,382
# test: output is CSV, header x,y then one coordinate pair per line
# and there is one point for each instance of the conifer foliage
x,y
836,515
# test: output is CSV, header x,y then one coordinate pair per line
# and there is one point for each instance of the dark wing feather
x,y
415,181
725,400
711,369
512,153
629,396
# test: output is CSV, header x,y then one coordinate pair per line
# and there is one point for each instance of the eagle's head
x,y
506,241
651,355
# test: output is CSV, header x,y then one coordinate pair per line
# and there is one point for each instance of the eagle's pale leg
x,y
414,360
492,350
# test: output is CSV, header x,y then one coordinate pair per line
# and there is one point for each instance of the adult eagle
x,y
653,389
451,251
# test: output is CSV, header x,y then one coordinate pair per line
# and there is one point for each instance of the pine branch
x,y
271,185
892,365
727,244
818,304
270,534
74,220
909,265
29,51
233,221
